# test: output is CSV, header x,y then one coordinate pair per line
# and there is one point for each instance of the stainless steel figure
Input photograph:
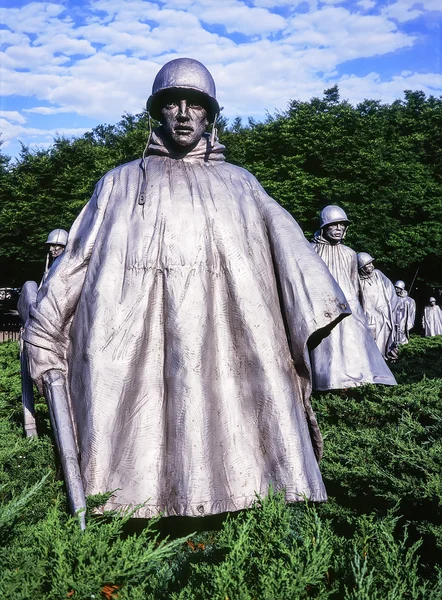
x,y
432,319
348,357
28,297
405,313
181,316
379,301
57,240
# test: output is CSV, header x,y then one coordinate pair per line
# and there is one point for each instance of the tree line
x,y
381,162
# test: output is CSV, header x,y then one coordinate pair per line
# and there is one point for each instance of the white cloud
x,y
102,64
12,115
12,132
367,4
48,110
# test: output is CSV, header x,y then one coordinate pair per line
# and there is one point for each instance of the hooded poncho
x,y
432,321
405,317
379,301
181,318
348,357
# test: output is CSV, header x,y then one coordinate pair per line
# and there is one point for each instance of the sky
x,y
67,66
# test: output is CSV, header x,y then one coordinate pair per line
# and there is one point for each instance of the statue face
x,y
184,119
368,269
55,250
334,233
432,302
399,291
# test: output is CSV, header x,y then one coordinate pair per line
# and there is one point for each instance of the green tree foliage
x,y
382,163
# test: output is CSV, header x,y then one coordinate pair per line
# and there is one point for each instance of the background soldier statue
x,y
432,319
379,301
57,240
405,313
349,356
177,321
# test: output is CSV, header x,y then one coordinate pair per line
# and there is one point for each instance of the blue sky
x,y
68,66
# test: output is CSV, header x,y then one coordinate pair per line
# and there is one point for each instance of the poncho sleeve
x,y
46,331
312,303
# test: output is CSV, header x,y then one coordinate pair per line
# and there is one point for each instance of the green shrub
x,y
378,538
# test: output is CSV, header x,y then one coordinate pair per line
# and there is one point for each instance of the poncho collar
x,y
202,151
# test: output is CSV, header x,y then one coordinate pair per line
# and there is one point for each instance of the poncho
x,y
432,321
348,357
405,317
379,301
181,318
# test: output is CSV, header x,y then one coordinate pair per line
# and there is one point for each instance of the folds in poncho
x,y
405,317
348,357
182,324
432,321
379,301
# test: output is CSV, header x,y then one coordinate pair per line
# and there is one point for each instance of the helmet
x,y
432,299
400,284
332,214
58,237
187,74
364,259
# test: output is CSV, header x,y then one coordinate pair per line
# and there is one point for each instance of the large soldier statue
x,y
348,357
177,322
379,301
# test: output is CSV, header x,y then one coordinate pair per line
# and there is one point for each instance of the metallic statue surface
x,y
432,319
180,318
379,300
348,357
405,313
56,241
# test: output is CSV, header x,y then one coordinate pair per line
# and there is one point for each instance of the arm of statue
x,y
46,332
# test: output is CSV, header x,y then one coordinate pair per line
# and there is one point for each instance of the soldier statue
x,y
175,328
432,319
57,241
379,301
405,313
348,357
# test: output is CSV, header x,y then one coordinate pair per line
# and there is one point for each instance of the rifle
x,y
55,387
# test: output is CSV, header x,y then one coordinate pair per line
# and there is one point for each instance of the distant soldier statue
x,y
175,328
432,319
379,301
56,241
405,313
348,357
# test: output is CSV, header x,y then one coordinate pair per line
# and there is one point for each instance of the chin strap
x,y
143,165
214,133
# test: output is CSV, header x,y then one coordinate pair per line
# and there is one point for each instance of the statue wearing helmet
x,y
180,323
432,319
379,300
405,313
57,240
349,356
